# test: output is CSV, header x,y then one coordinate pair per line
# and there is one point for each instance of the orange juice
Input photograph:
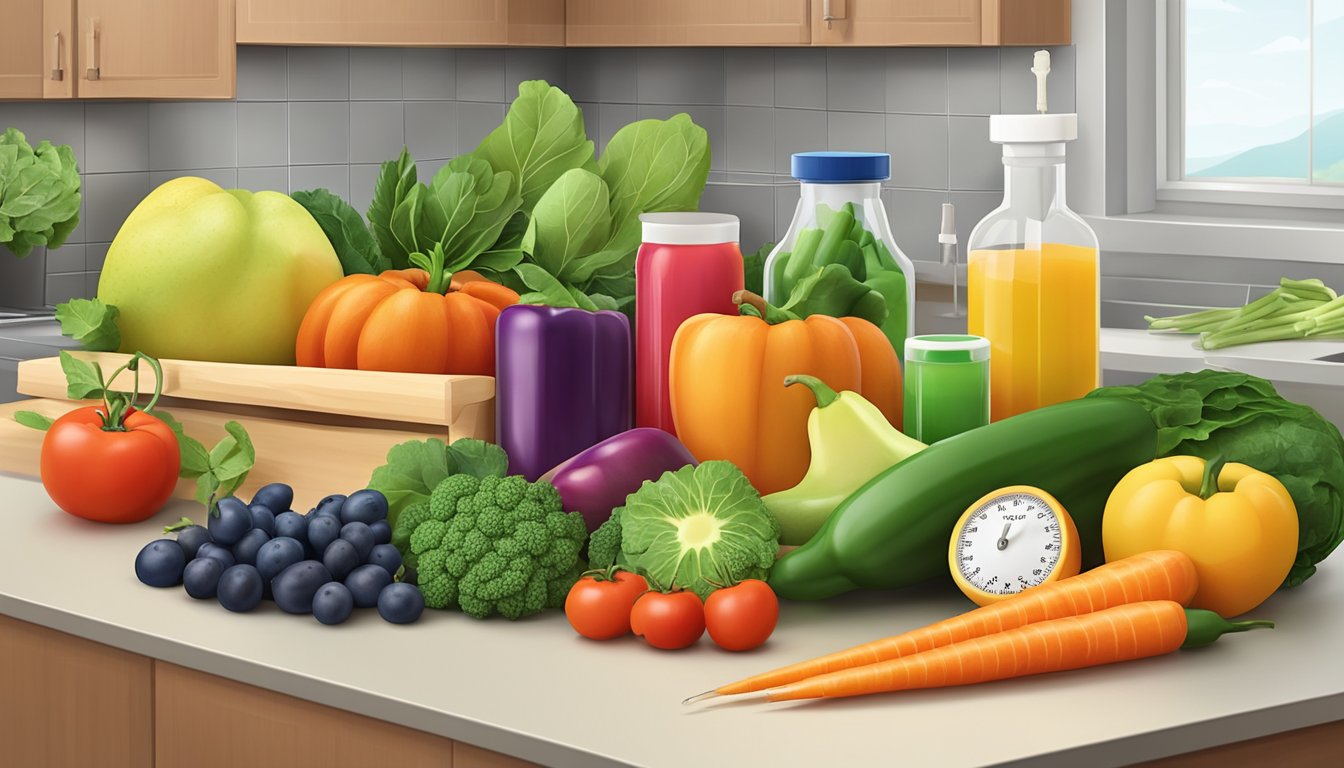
x,y
1040,311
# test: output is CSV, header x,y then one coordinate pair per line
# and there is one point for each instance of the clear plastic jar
x,y
840,219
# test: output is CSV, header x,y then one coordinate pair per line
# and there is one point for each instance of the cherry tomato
x,y
742,617
598,607
106,476
668,620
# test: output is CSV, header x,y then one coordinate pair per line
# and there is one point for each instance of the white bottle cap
x,y
1033,129
691,228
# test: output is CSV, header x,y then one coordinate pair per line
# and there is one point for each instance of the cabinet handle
x,y
57,73
832,11
92,72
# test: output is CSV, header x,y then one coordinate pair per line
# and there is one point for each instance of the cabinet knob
x,y
92,72
57,72
832,11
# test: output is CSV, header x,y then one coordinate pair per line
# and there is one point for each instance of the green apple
x,y
204,273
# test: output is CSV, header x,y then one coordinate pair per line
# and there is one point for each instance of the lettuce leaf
x,y
344,227
541,138
396,180
39,193
414,468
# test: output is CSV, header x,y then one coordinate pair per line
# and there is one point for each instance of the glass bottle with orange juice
x,y
1033,276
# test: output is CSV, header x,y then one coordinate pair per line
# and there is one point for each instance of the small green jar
x,y
946,386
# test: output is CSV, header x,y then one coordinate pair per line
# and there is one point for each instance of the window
x,y
1255,100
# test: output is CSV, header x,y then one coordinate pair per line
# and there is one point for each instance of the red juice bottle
x,y
689,264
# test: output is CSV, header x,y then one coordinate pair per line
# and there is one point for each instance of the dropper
x,y
947,246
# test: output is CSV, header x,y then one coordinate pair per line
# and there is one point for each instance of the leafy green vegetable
x,y
344,227
492,545
90,322
416,467
697,528
754,268
542,136
1296,309
570,223
545,289
832,290
1243,419
39,193
396,179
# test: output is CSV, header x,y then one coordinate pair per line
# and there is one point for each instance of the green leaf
x,y
655,165
233,457
412,471
570,222
39,193
195,460
396,179
34,420
207,486
545,289
90,322
833,291
754,268
466,209
83,380
344,227
479,458
542,136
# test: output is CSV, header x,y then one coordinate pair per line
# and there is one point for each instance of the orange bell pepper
x,y
726,383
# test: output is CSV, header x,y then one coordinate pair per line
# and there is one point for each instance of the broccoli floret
x,y
495,545
408,521
604,546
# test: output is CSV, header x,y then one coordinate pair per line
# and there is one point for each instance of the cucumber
x,y
894,531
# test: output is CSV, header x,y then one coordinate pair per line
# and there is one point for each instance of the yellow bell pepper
x,y
1236,523
851,443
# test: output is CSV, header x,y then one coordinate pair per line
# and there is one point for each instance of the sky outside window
x,y
1249,89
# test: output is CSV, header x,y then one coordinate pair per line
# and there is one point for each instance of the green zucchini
x,y
894,531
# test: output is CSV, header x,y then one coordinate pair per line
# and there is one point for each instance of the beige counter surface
x,y
535,690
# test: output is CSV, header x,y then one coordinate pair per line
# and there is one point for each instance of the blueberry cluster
x,y
336,558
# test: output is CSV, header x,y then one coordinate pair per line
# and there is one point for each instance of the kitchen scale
x,y
1011,540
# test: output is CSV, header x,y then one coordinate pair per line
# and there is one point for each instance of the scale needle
x,y
1003,537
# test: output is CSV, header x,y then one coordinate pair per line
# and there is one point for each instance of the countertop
x,y
535,690
1298,361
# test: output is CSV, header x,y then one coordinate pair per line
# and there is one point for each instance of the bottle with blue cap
x,y
840,220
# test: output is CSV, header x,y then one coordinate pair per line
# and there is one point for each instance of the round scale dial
x,y
1011,540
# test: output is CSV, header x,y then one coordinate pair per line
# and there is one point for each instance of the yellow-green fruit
x,y
204,273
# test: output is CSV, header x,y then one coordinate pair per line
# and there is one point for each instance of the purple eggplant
x,y
563,383
598,480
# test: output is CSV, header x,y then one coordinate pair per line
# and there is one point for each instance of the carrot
x,y
1157,575
1121,633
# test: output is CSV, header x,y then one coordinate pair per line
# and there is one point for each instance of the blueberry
x,y
365,582
322,531
341,558
291,524
240,588
276,555
230,520
160,563
361,536
245,551
211,549
331,505
382,532
201,577
262,518
295,586
276,497
387,557
400,603
367,506
333,603
191,538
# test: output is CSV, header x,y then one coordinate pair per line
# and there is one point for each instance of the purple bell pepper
x,y
598,480
563,383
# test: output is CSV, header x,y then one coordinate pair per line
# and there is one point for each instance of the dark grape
x,y
276,497
245,551
387,557
341,558
323,530
367,506
330,505
291,524
400,603
240,588
333,603
365,582
276,555
160,563
191,538
382,532
211,549
230,520
262,518
294,588
359,535
201,577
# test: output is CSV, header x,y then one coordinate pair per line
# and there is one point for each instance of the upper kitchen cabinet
x,y
402,22
36,56
153,49
686,22
941,22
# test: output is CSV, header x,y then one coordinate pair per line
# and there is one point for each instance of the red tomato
x,y
742,617
109,477
600,608
668,620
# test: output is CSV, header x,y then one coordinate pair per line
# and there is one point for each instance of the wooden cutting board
x,y
322,431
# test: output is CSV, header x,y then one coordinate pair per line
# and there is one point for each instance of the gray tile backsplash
x,y
309,117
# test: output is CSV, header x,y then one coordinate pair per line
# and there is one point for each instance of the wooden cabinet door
x,y
898,22
155,49
686,22
21,50
58,49
402,22
66,702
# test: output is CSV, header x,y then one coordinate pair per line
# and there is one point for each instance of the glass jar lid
x,y
947,348
841,167
689,228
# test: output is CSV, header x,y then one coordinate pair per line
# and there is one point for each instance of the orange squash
x,y
726,383
407,320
